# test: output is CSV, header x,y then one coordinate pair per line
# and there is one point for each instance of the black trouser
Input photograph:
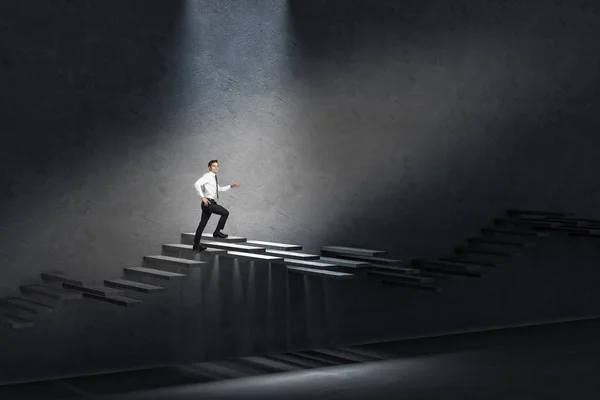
x,y
207,211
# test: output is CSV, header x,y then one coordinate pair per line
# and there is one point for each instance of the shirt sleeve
x,y
198,186
224,188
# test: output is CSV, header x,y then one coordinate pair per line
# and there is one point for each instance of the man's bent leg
x,y
220,210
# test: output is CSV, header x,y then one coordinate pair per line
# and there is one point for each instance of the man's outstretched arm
x,y
226,188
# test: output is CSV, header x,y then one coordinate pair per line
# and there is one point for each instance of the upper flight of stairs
x,y
496,244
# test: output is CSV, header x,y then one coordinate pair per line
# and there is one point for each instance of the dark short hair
x,y
211,162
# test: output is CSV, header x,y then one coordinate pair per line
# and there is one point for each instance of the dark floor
x,y
557,361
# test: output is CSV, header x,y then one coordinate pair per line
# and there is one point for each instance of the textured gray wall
x,y
396,125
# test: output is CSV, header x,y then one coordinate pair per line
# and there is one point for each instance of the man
x,y
208,188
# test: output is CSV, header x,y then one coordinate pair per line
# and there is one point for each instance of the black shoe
x,y
220,235
199,248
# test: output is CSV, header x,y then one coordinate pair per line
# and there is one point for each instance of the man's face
x,y
214,168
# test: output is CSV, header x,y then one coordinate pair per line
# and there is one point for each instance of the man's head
x,y
213,166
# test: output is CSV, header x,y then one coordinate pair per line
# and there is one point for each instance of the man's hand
x,y
205,201
235,185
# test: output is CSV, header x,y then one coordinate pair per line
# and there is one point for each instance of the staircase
x,y
494,245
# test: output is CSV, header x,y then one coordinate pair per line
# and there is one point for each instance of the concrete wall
x,y
404,127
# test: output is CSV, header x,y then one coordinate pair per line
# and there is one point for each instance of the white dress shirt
x,y
206,186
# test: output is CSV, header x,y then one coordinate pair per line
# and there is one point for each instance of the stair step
x,y
51,292
296,361
308,263
28,305
348,355
589,221
448,267
175,261
353,251
513,211
526,222
571,230
59,277
188,248
154,273
93,289
587,235
323,360
275,246
292,254
492,231
229,239
188,238
474,250
332,356
463,260
14,322
272,365
133,285
569,222
254,256
242,366
234,246
407,277
372,260
320,272
218,371
345,263
113,299
403,270
500,242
